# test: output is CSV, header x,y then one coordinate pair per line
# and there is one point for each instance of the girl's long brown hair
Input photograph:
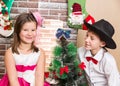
x,y
20,21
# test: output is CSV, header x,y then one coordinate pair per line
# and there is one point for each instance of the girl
x,y
101,68
24,62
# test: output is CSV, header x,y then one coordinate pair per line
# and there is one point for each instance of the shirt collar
x,y
98,56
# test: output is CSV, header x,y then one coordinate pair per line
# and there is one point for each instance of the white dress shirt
x,y
104,73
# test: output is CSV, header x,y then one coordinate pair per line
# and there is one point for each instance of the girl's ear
x,y
103,44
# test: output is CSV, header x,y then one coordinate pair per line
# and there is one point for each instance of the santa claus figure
x,y
76,17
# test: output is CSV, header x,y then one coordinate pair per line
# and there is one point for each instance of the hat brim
x,y
109,41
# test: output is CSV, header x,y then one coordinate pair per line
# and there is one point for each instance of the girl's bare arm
x,y
39,74
10,68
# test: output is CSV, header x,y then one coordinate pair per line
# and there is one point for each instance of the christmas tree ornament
x,y
82,65
6,24
77,14
61,32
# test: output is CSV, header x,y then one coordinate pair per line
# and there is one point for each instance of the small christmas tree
x,y
65,69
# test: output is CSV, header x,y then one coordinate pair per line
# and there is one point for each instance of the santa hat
x,y
77,8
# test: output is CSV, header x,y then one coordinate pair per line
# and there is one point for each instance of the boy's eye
x,y
86,35
92,38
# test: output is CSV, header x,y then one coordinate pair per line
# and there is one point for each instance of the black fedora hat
x,y
105,30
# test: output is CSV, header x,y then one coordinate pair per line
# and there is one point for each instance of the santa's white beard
x,y
76,19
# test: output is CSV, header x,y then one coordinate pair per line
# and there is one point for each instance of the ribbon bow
x,y
38,18
63,70
82,66
61,32
92,59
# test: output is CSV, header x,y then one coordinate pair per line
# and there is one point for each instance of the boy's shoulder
x,y
109,57
81,49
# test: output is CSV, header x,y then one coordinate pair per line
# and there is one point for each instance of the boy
x,y
101,68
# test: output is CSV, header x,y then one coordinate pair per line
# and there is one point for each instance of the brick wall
x,y
49,9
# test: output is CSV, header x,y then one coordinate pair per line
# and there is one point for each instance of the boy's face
x,y
93,42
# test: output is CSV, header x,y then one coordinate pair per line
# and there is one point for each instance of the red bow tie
x,y
92,59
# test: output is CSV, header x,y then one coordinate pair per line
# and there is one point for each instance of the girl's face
x,y
93,42
28,33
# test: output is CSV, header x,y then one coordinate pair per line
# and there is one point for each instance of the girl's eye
x,y
24,29
33,29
